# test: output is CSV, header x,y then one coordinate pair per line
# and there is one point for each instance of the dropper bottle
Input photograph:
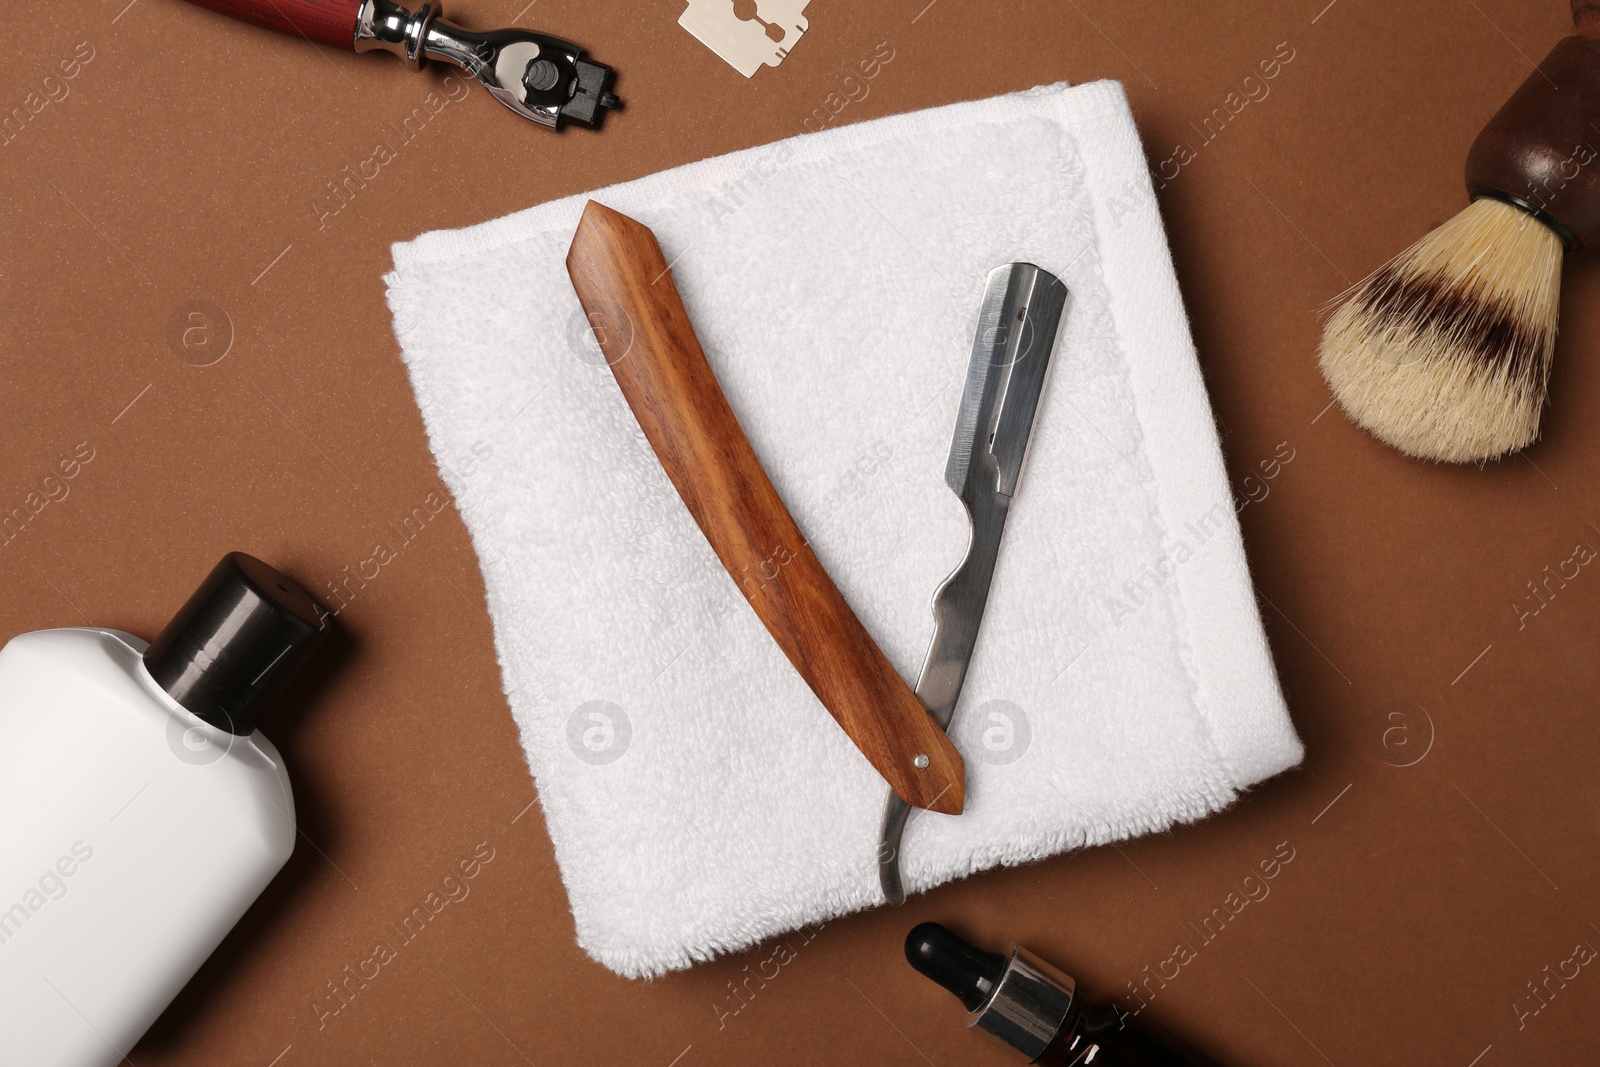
x,y
1034,1008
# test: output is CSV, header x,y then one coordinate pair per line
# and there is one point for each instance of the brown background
x,y
1421,899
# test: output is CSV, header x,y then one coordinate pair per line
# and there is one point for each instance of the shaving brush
x,y
1444,352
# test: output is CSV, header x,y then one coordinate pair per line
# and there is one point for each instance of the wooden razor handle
x,y
623,284
331,22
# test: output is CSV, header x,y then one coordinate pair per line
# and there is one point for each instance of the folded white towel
x,y
699,798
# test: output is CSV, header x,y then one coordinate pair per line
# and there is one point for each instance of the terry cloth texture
x,y
699,798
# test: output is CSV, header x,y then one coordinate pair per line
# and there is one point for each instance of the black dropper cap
x,y
236,642
964,969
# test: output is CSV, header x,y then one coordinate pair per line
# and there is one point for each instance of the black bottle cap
x,y
964,969
236,642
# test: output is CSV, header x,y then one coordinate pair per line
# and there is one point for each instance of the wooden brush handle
x,y
622,282
331,22
1542,149
1586,16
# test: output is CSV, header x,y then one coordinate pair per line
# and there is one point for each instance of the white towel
x,y
699,798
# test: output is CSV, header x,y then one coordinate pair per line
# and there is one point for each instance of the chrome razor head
x,y
541,78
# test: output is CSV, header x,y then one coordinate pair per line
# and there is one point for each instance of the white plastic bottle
x,y
141,812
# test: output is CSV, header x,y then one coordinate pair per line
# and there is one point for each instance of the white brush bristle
x,y
1444,352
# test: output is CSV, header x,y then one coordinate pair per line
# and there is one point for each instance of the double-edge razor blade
x,y
748,34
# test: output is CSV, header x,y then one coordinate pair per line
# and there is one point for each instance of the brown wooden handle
x,y
1586,16
1542,149
623,284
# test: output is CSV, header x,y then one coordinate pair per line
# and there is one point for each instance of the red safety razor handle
x,y
541,78
331,22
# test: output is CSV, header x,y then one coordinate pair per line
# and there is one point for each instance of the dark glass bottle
x,y
1040,1012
